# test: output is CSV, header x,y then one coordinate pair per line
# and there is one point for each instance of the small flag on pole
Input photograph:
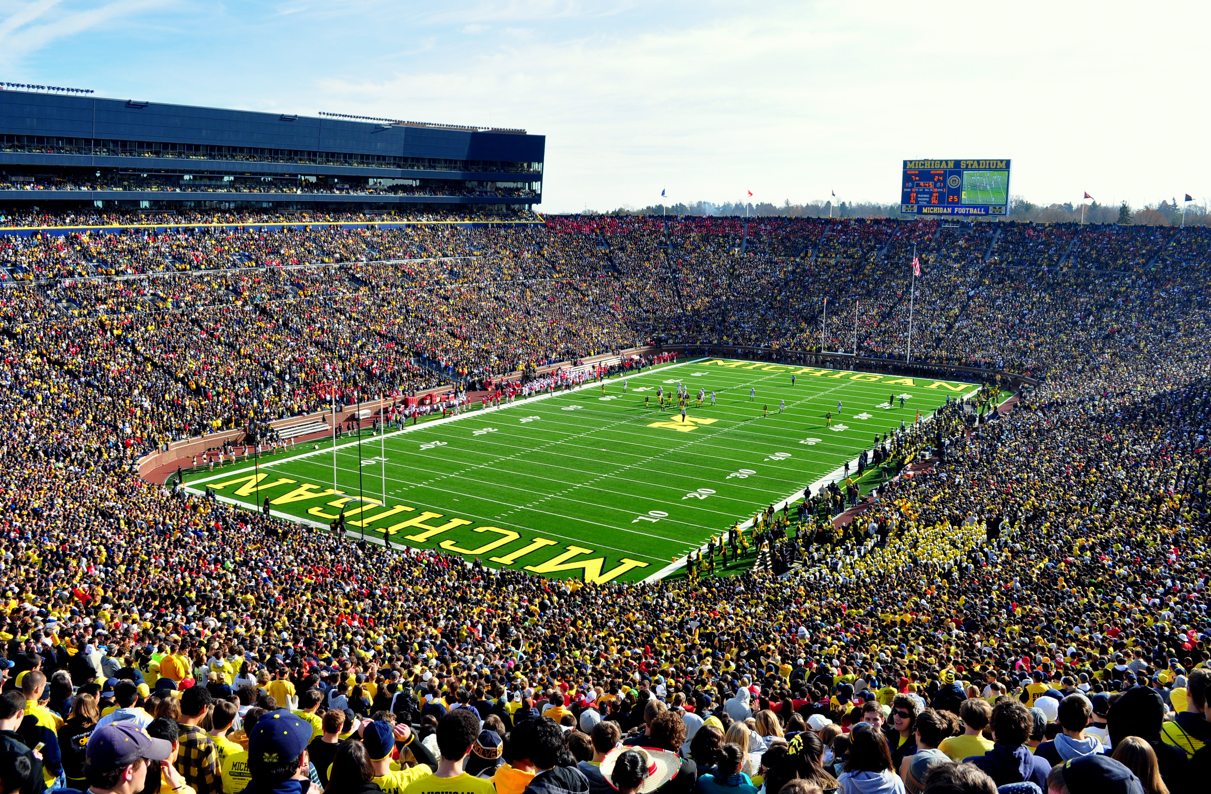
x,y
662,193
750,194
826,302
1088,196
916,267
1189,197
834,193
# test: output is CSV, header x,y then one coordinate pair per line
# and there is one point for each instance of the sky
x,y
707,100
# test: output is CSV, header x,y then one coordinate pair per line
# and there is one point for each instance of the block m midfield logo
x,y
690,424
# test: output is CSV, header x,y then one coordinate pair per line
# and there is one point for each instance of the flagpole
x,y
856,304
911,299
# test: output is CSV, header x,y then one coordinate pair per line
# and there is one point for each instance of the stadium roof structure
x,y
77,150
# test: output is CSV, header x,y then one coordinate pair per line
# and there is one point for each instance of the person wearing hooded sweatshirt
x,y
516,772
1010,760
869,770
738,707
557,772
1074,714
1141,712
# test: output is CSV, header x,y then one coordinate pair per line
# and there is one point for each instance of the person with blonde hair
x,y
739,734
768,727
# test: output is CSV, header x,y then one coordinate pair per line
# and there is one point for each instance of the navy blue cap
x,y
1101,704
165,683
120,744
108,690
278,736
1100,774
378,739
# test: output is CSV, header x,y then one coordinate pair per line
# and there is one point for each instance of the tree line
x,y
1167,212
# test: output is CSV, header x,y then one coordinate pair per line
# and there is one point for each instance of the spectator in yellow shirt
x,y
309,703
975,714
280,688
379,737
222,715
456,735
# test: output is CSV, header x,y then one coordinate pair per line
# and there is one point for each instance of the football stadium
x,y
337,464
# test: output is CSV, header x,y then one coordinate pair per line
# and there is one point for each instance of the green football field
x,y
592,485
986,187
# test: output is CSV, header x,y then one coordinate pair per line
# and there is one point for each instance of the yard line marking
x,y
429,424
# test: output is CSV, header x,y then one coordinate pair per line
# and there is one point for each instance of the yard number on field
x,y
811,442
483,431
525,419
572,407
653,516
372,461
863,416
778,456
839,428
432,444
742,474
701,493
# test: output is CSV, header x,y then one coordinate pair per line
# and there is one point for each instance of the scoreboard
x,y
955,187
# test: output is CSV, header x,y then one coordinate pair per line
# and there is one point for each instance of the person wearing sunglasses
x,y
899,731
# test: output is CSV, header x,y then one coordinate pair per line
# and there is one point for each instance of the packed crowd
x,y
1031,612
217,183
219,217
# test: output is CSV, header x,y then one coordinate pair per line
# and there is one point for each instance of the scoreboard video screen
x,y
955,187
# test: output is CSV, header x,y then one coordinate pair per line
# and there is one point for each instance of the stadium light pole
x,y
857,303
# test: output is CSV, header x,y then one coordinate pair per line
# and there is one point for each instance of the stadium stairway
x,y
991,245
1068,250
303,429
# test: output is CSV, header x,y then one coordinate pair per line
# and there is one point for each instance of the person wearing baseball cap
x,y
277,754
115,759
379,738
1093,774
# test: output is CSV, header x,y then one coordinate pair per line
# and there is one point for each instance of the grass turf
x,y
587,484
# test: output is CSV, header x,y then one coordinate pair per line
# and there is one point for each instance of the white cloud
x,y
19,37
